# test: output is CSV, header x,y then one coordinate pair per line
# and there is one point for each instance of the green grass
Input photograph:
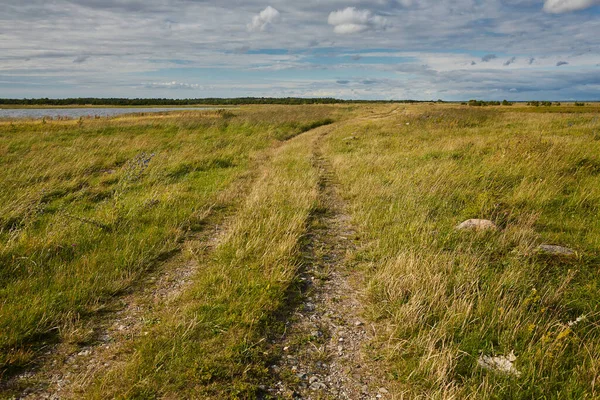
x,y
88,208
444,297
210,347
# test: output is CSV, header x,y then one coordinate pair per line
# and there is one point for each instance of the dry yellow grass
x,y
439,298
88,207
442,297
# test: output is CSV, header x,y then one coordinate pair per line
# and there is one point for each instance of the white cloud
x,y
180,42
171,85
264,19
563,6
351,20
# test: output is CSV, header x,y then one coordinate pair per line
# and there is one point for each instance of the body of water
x,y
84,112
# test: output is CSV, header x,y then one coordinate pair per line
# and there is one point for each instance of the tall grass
x,y
88,206
442,298
209,345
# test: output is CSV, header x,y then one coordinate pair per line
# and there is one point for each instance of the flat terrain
x,y
306,251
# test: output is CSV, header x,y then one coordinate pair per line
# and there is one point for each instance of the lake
x,y
84,112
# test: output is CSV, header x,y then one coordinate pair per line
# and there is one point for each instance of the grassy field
x,y
443,297
89,208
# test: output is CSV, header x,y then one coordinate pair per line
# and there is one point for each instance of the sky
x,y
349,49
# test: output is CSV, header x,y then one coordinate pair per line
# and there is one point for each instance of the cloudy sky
x,y
377,49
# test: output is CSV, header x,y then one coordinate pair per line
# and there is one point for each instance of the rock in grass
x,y
477,225
555,250
502,364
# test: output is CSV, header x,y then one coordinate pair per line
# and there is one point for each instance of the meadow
x,y
93,210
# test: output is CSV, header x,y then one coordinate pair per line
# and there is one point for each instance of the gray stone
x,y
477,225
318,386
555,250
502,364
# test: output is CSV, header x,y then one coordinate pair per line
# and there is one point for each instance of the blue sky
x,y
352,49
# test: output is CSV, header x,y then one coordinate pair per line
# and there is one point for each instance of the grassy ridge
x,y
209,345
88,206
442,297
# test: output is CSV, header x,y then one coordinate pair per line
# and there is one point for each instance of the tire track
x,y
322,347
66,369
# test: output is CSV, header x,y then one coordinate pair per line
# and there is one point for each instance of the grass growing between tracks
x,y
87,207
443,298
209,345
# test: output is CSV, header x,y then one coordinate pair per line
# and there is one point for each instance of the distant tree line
x,y
549,103
92,101
534,103
482,103
543,103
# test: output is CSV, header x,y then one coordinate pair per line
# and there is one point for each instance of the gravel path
x,y
323,345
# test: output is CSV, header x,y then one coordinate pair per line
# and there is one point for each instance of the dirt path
x,y
67,368
322,347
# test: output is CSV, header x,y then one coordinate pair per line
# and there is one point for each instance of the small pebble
x,y
318,386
